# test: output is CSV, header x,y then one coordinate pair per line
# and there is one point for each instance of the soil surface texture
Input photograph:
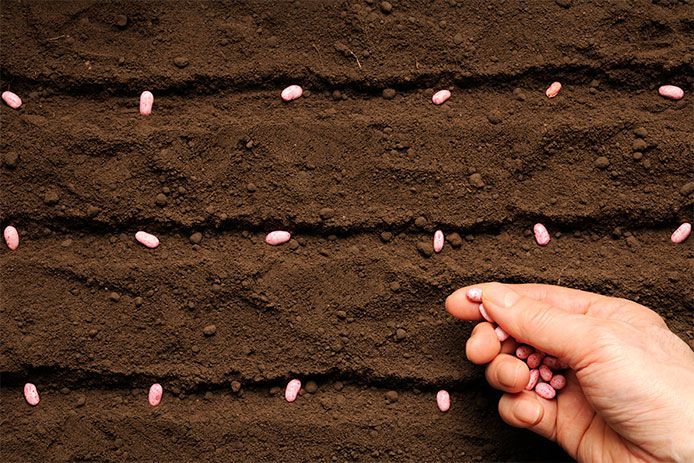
x,y
361,169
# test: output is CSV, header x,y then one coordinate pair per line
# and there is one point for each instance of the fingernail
x,y
528,411
499,294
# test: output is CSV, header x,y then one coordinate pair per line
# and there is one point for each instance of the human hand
x,y
630,388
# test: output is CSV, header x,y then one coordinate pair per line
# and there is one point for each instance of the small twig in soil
x,y
355,57
56,38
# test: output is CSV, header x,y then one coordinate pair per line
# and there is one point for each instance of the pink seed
x,y
485,314
541,234
534,360
545,372
553,90
474,294
501,334
534,376
292,93
148,240
12,100
146,101
558,382
31,394
155,393
545,391
441,96
668,91
292,390
523,352
11,237
438,241
277,237
681,233
443,400
551,362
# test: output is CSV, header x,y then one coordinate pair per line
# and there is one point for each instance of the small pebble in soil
x,y
160,200
495,117
441,96
400,334
277,237
534,376
541,234
545,391
392,396
180,62
641,132
639,145
121,21
196,238
476,180
235,386
668,91
12,100
386,7
454,240
311,387
438,241
443,400
602,162
147,239
146,101
155,393
681,233
474,294
292,93
11,237
292,390
388,93
10,159
51,197
209,330
31,394
553,90
424,249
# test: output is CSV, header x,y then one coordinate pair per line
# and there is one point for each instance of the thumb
x,y
552,330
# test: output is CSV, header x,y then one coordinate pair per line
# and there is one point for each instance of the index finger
x,y
567,299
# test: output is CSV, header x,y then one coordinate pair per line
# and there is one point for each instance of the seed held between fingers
x,y
474,294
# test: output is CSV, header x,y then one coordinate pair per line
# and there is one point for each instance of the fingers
x,y
483,345
542,325
570,300
522,409
507,373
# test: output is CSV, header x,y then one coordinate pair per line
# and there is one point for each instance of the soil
x,y
360,169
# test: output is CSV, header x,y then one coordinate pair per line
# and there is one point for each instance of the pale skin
x,y
629,395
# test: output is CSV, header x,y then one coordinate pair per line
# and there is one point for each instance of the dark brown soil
x,y
93,318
